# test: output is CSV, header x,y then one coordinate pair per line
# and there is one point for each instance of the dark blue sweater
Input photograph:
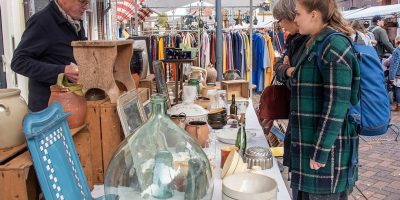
x,y
44,51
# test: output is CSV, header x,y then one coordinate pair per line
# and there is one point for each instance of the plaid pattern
x,y
319,102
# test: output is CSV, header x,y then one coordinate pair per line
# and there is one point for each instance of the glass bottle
x,y
233,107
159,161
241,138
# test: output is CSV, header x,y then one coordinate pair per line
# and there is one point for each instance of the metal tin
x,y
259,156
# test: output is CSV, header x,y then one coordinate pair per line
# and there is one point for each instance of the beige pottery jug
x,y
13,108
199,74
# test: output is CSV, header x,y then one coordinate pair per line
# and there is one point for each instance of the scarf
x,y
75,23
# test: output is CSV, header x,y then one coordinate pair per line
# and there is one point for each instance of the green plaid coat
x,y
319,102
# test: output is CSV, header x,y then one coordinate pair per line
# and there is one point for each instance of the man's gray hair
x,y
284,9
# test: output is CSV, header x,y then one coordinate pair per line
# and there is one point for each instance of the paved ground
x,y
379,172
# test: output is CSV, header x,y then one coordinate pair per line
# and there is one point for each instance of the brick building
x,y
348,4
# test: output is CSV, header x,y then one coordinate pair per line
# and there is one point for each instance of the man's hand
x,y
315,165
71,72
289,72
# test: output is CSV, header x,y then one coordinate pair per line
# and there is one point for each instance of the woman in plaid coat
x,y
321,136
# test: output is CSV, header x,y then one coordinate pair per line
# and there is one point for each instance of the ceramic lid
x,y
258,152
190,109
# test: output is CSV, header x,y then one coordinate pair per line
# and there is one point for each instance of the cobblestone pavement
x,y
379,172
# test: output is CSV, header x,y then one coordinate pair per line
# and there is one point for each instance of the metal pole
x,y
218,51
251,48
136,18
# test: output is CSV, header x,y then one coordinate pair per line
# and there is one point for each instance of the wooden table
x,y
179,67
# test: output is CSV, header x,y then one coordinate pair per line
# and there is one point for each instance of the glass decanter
x,y
159,161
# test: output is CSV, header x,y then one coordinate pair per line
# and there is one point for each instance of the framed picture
x,y
161,84
131,112
147,108
143,43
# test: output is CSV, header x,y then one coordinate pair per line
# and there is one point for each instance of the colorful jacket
x,y
319,102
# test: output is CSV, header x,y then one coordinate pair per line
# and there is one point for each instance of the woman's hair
x,y
358,25
284,9
330,14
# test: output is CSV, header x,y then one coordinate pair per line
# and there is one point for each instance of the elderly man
x,y
383,44
45,49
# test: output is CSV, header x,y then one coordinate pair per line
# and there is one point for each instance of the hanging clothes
x,y
205,50
258,62
271,56
248,57
224,53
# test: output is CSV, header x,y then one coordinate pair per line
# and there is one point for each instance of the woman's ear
x,y
314,15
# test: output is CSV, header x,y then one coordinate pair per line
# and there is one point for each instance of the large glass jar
x,y
159,161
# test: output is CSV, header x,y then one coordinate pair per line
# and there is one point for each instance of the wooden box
x,y
238,87
144,94
82,144
18,179
147,83
93,120
112,133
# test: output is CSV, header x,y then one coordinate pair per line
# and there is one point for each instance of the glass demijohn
x,y
159,161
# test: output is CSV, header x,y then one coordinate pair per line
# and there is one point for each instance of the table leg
x,y
176,84
181,79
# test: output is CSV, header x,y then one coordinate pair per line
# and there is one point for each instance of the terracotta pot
x,y
211,74
203,102
12,111
136,79
179,120
199,131
72,103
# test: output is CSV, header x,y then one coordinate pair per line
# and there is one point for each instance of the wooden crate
x,y
147,83
93,119
82,143
111,131
10,153
18,179
238,87
144,94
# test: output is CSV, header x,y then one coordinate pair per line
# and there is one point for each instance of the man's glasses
x,y
84,2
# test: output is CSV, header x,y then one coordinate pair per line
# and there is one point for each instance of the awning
x,y
126,10
372,11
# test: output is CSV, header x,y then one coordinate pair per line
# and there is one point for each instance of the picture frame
x,y
147,108
143,42
131,112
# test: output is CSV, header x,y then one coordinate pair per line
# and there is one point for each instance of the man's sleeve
x,y
26,60
385,41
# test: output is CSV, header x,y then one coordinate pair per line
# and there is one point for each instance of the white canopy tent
x,y
372,11
165,5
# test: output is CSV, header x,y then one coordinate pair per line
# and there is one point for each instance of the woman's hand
x,y
289,72
315,165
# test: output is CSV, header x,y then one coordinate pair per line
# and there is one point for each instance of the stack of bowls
x,y
217,118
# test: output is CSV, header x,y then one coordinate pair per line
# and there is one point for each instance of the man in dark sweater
x,y
383,46
45,49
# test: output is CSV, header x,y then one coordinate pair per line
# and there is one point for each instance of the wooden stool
x,y
105,65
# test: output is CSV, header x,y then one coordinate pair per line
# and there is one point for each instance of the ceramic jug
x,y
71,103
232,74
199,74
12,111
199,131
211,74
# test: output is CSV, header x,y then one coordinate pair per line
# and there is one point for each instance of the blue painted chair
x,y
54,156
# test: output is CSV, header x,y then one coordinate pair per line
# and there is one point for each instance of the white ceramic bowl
x,y
249,186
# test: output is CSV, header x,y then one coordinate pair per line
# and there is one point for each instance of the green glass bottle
x,y
233,107
159,161
241,138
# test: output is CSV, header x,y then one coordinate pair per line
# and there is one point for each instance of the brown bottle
x,y
233,108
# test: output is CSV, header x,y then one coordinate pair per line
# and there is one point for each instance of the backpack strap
x,y
321,47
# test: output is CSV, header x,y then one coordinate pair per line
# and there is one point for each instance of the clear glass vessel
x,y
159,161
